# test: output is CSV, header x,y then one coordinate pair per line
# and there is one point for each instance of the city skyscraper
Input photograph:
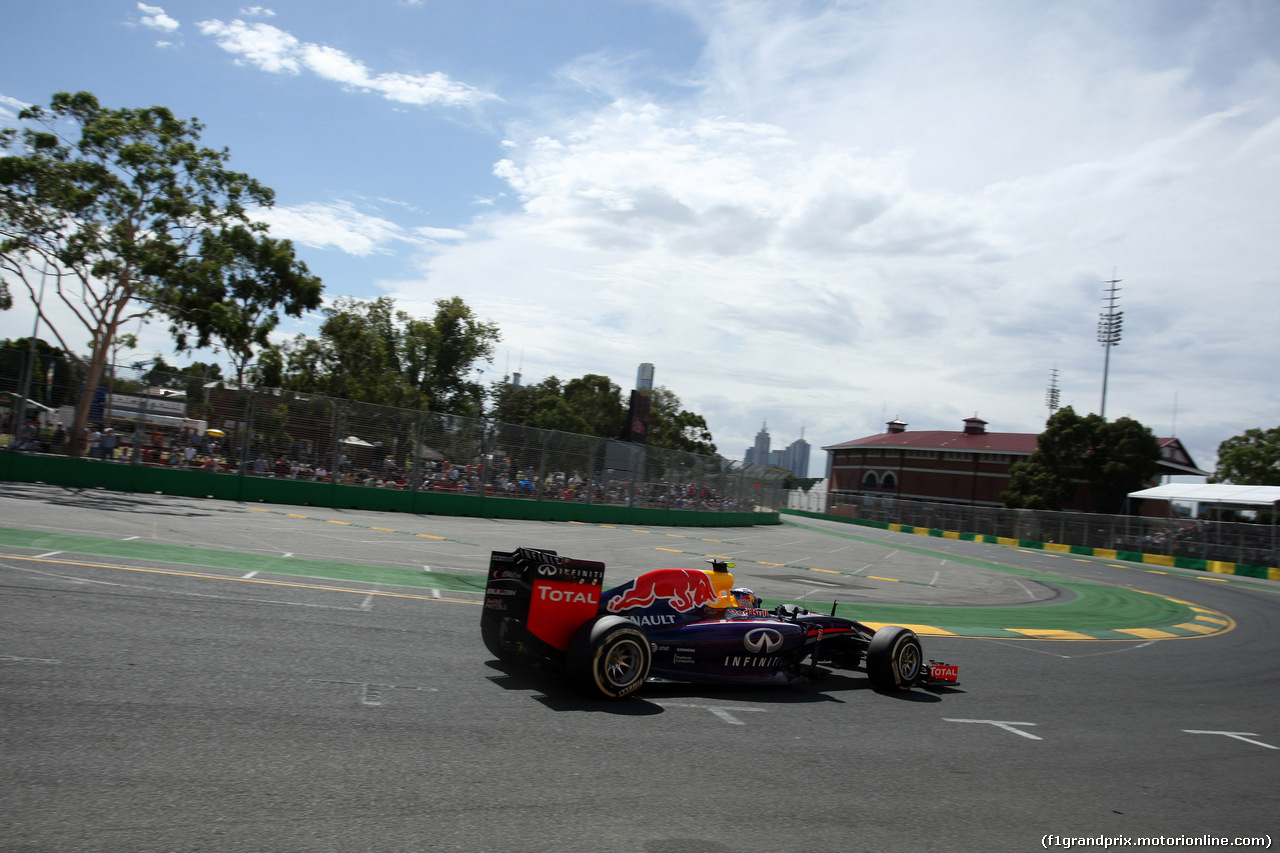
x,y
795,458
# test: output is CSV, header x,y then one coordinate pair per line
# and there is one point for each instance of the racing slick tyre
x,y
610,656
895,659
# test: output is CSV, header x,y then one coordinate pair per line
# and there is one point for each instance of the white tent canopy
x,y
1216,493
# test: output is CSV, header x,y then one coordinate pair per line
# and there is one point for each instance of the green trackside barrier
x,y
125,477
1196,564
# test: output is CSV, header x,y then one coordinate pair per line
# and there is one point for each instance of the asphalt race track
x,y
183,675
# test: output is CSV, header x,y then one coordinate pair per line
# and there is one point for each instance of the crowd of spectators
x,y
498,476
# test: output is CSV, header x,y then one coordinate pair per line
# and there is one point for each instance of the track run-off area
x,y
1083,610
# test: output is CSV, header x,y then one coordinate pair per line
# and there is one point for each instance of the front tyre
x,y
610,656
895,661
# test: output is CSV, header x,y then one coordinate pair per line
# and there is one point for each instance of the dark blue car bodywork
x,y
677,625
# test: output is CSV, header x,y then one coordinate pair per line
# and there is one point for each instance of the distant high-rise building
x,y
759,454
796,457
644,377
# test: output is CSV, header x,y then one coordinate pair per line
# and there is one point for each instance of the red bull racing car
x,y
678,625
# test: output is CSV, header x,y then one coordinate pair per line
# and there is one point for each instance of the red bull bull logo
x,y
680,589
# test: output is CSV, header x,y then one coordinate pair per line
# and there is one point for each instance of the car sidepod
x,y
726,650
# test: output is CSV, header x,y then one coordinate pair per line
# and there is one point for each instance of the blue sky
x,y
822,215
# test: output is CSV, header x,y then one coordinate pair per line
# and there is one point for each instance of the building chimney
x,y
896,426
975,426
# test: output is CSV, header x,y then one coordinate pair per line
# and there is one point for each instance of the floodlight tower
x,y
1109,328
1052,396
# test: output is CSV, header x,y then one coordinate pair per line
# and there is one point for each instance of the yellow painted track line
x,y
201,576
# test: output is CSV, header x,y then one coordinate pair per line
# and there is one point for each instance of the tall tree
x,y
376,353
111,207
673,427
234,292
1250,459
53,375
441,353
1110,458
592,405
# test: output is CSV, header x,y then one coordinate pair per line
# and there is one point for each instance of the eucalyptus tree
x,y
673,427
374,352
234,291
112,209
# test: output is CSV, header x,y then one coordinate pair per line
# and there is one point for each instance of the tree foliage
x,y
593,405
234,291
56,378
672,427
1251,459
376,353
1110,459
121,212
589,405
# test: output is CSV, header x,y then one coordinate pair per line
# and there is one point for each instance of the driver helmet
x,y
744,597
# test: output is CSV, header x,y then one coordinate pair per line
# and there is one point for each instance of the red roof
x,y
988,442
1174,459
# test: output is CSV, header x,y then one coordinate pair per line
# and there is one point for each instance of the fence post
x,y
415,473
339,427
591,469
542,466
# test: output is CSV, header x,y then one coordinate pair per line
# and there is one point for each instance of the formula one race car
x,y
677,625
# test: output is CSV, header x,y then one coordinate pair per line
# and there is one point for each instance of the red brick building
x,y
967,467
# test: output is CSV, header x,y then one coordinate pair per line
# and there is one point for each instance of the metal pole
x,y
29,373
1109,329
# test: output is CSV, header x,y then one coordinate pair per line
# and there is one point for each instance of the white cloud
x,y
276,51
337,225
155,18
9,109
893,210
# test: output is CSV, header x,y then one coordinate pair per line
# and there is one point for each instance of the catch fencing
x,y
1255,544
142,417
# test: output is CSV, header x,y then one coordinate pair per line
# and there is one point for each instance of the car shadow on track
x,y
554,690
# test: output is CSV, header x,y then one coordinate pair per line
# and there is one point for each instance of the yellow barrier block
x,y
1158,560
1273,574
1220,567
922,630
1146,633
950,534
1106,553
1050,634
1005,540
1057,546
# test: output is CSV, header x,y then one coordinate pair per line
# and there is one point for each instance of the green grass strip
x,y
187,555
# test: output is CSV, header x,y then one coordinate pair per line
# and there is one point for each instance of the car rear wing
x,y
535,600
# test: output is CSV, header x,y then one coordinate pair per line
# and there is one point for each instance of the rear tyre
x,y
895,661
610,657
